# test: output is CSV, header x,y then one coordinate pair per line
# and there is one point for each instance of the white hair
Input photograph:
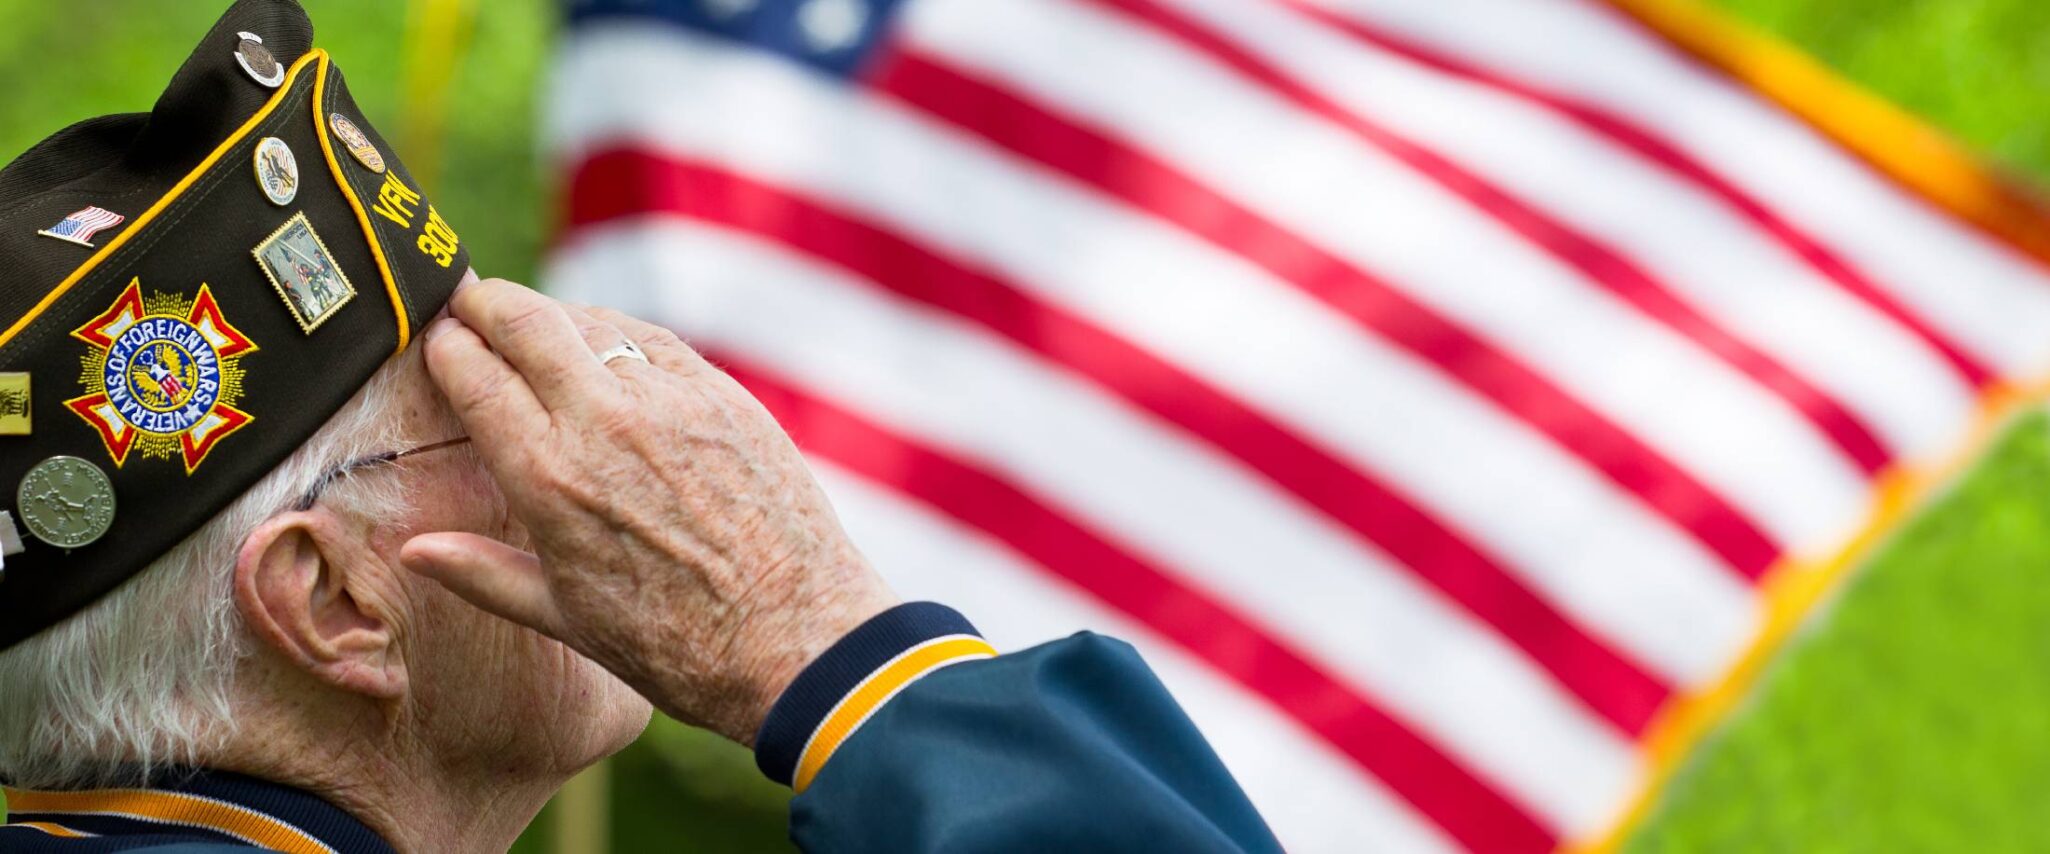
x,y
145,677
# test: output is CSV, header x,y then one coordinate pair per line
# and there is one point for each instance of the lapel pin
x,y
10,541
305,274
81,225
258,62
66,502
277,171
357,142
14,404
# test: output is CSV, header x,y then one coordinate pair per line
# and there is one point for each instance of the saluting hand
x,y
678,538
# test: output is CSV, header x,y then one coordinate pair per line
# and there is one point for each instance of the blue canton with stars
x,y
834,36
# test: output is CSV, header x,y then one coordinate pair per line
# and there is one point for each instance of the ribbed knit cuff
x,y
840,690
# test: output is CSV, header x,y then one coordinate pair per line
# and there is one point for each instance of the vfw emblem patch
x,y
162,376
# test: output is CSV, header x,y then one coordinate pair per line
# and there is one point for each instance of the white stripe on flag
x,y
1989,298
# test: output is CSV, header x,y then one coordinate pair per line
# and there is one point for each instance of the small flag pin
x,y
81,225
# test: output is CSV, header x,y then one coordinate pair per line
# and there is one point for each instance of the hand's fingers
x,y
488,396
489,574
598,334
533,334
664,349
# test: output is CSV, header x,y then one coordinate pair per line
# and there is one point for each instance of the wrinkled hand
x,y
679,540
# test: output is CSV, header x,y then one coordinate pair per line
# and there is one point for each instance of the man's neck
x,y
418,809
408,797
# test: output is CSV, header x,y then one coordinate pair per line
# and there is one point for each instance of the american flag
x,y
1454,400
82,225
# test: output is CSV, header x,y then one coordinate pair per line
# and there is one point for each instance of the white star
x,y
831,25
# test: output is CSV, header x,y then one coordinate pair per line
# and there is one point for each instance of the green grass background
x,y
1916,717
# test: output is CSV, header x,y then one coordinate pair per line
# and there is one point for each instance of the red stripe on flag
x,y
1597,262
1655,149
628,183
1032,131
1470,810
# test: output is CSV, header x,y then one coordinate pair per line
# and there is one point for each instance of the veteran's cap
x,y
185,296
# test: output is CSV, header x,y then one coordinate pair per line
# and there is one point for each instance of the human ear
x,y
295,589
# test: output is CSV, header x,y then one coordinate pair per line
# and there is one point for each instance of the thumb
x,y
491,575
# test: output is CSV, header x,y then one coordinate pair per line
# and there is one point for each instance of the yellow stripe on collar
x,y
173,808
895,675
51,829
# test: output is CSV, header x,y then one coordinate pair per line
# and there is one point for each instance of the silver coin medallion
x,y
66,502
257,61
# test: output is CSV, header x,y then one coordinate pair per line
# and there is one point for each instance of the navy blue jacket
x,y
909,735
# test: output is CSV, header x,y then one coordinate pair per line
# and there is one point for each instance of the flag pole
x,y
437,38
583,812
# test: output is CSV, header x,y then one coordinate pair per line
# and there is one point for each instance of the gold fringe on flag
x,y
1929,164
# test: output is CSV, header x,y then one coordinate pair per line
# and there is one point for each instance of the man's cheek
x,y
500,665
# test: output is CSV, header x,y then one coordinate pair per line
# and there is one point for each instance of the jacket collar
x,y
229,807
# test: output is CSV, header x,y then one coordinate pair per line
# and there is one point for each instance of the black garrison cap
x,y
186,295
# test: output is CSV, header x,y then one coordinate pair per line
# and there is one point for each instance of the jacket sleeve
x,y
911,735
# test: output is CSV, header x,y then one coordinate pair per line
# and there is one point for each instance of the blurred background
x,y
1910,716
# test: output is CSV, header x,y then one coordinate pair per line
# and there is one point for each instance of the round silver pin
x,y
277,171
66,502
258,61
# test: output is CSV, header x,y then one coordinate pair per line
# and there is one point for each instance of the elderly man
x,y
320,572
